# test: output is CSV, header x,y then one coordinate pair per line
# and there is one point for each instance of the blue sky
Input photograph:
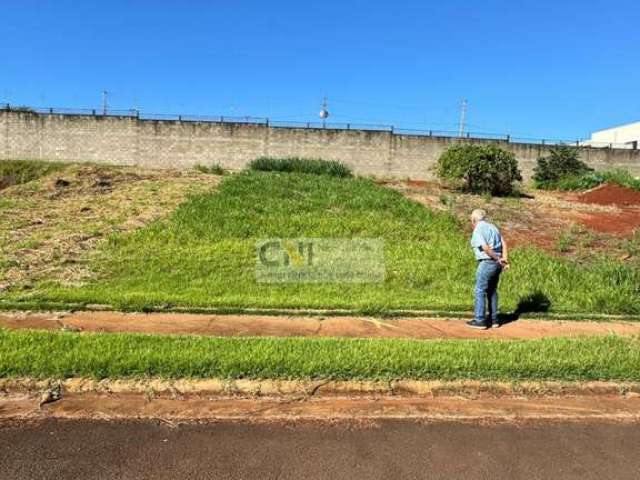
x,y
540,69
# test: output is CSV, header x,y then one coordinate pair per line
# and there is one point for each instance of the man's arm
x,y
505,251
489,251
504,260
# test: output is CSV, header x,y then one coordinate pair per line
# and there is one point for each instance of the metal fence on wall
x,y
471,135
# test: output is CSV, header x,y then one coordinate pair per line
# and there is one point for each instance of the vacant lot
x,y
203,254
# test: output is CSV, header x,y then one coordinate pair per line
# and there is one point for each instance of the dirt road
x,y
300,326
55,449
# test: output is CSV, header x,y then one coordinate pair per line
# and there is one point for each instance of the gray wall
x,y
179,144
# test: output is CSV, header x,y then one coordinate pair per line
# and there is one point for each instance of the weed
x,y
565,242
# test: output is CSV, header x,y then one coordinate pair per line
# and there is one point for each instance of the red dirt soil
x,y
204,408
622,222
610,194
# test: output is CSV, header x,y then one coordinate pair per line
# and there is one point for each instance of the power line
x,y
397,106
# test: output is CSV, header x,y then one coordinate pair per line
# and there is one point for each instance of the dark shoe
x,y
495,324
476,324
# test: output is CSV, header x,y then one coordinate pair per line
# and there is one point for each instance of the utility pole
x,y
463,117
104,102
324,113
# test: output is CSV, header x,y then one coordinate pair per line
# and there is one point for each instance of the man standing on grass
x,y
490,251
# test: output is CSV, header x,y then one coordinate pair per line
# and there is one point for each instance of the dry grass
x,y
49,224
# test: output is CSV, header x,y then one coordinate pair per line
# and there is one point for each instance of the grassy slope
x,y
59,354
204,255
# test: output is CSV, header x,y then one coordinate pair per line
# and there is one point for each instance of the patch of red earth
x,y
610,194
190,407
622,224
542,236
625,221
546,217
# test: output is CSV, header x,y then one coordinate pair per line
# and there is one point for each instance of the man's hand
x,y
492,255
504,263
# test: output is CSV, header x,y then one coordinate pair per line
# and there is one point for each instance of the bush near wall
x,y
479,169
14,172
561,164
592,179
301,165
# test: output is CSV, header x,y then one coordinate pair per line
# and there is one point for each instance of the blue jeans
x,y
487,278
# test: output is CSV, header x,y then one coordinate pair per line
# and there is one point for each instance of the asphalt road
x,y
66,449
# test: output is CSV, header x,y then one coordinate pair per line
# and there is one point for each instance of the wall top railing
x,y
471,135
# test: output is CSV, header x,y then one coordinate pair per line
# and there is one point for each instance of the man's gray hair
x,y
478,215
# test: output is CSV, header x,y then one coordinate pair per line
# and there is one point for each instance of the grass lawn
x,y
204,256
63,354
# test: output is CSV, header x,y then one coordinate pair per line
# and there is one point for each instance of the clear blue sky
x,y
539,68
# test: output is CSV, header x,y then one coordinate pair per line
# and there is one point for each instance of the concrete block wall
x,y
182,144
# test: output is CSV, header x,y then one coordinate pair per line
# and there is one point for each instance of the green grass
x,y
300,165
204,256
64,354
590,180
22,171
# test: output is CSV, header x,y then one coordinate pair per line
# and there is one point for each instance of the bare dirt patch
x,y
50,224
246,388
194,407
288,326
622,218
562,223
611,194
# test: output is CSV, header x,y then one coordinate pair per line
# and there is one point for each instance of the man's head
x,y
477,216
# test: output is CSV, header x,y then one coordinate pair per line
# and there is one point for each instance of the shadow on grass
x,y
536,302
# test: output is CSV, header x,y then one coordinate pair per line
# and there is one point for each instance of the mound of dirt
x,y
611,194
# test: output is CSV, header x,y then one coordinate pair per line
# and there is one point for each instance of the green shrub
x,y
561,163
592,179
479,168
301,165
215,169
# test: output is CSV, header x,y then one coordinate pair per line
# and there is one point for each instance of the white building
x,y
624,136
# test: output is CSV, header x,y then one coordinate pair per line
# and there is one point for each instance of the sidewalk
x,y
305,326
